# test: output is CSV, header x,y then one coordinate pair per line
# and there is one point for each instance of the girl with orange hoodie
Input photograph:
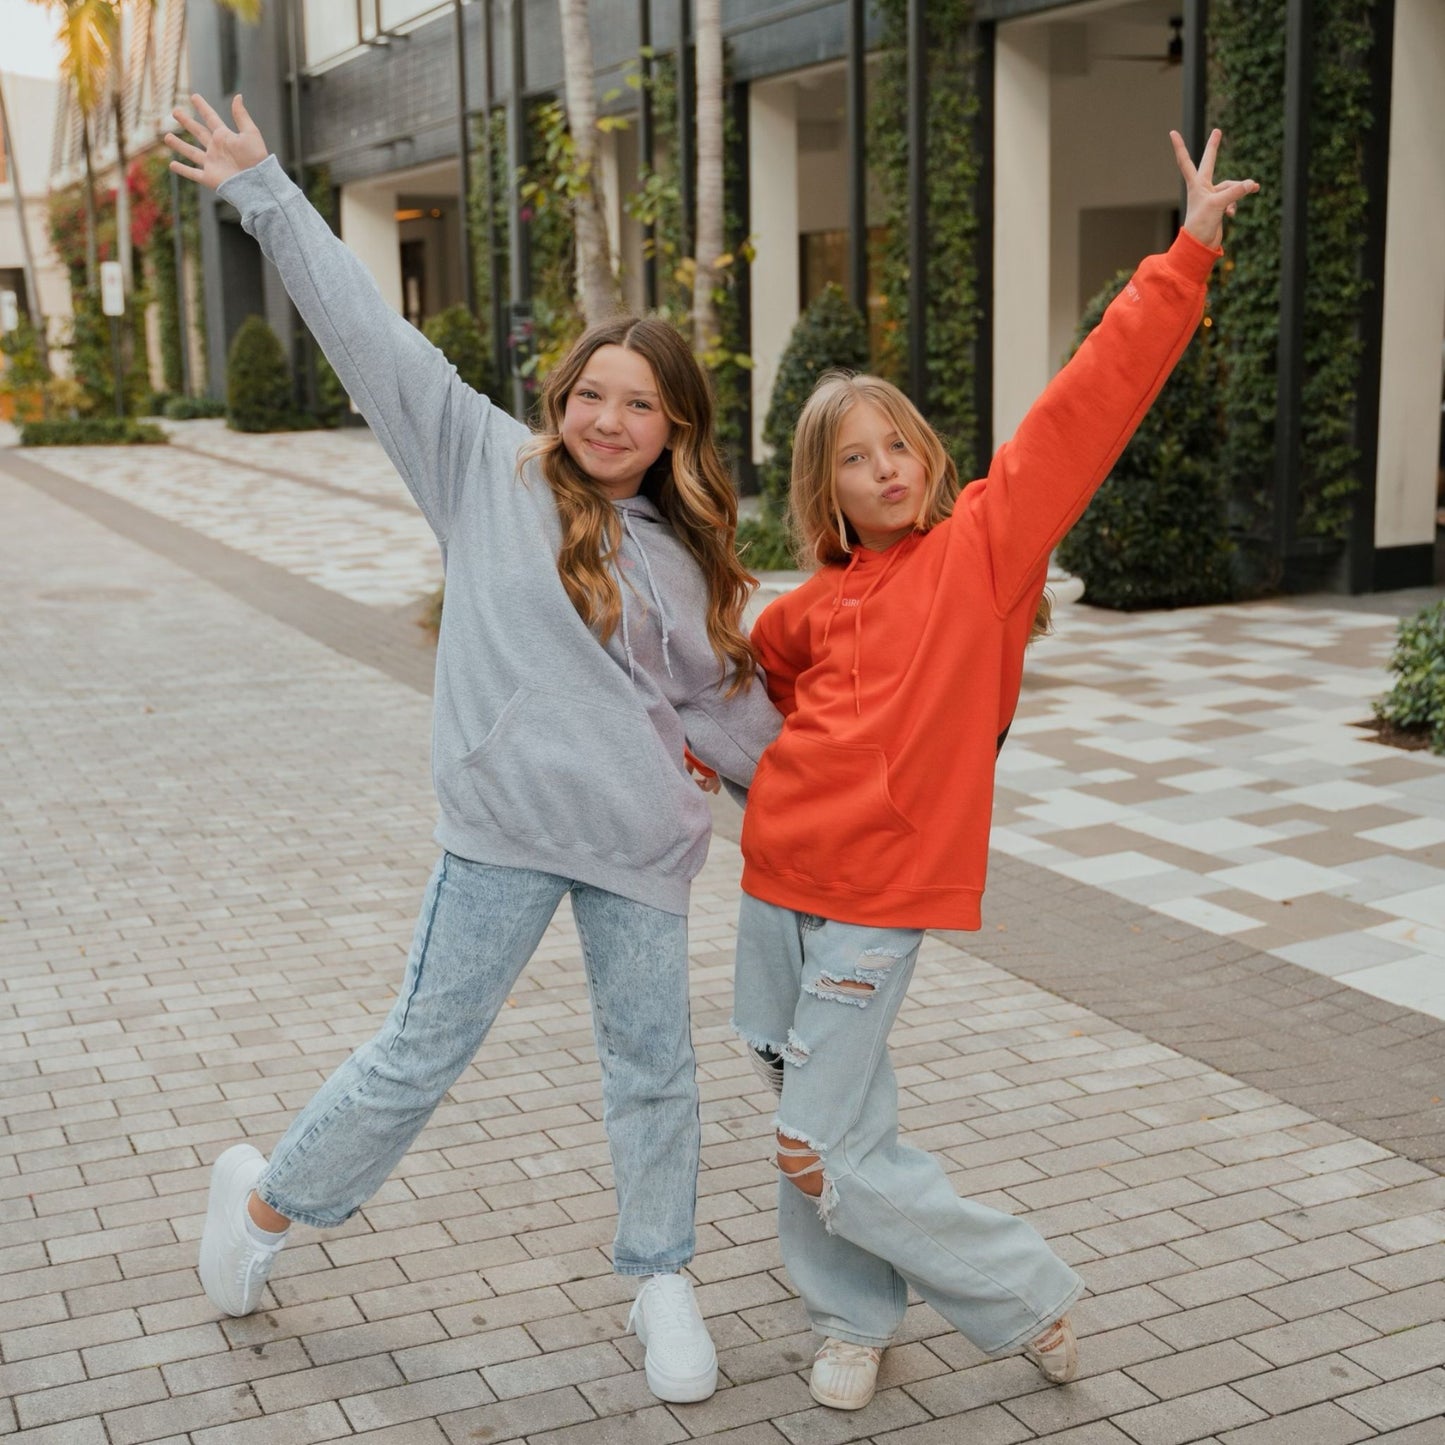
x,y
897,668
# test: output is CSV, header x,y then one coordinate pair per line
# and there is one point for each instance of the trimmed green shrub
x,y
1157,532
22,375
1416,703
332,402
456,334
258,381
189,408
829,335
87,431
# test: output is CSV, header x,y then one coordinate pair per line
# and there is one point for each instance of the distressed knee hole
x,y
854,991
800,1164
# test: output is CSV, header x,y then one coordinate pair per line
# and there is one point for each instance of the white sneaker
x,y
1056,1352
234,1266
681,1361
844,1376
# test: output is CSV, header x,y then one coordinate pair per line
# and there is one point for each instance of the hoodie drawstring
x,y
662,616
883,571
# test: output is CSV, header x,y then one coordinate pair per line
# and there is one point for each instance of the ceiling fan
x,y
1173,51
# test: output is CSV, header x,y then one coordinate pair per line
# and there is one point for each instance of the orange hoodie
x,y
898,674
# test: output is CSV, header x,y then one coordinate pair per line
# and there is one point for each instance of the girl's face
x,y
880,483
614,427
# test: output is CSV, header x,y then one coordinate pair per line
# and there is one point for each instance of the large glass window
x,y
332,27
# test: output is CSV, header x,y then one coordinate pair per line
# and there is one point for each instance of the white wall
x,y
1414,296
773,208
1110,149
1023,360
368,226
31,103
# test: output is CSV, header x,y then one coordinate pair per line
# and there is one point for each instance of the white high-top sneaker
x,y
234,1265
681,1360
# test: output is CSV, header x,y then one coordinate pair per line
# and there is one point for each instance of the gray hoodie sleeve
x,y
428,420
729,734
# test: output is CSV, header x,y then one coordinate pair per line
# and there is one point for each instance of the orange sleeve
x,y
780,664
1042,479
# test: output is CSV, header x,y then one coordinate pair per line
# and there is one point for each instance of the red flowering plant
x,y
147,180
67,225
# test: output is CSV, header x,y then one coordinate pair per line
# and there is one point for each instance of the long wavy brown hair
x,y
688,482
821,533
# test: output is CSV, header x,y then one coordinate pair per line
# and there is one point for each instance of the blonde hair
x,y
822,534
688,482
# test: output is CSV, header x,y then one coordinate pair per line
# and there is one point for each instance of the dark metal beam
x,y
517,231
496,312
1372,309
464,164
985,69
1289,369
857,86
686,122
646,145
1196,74
917,61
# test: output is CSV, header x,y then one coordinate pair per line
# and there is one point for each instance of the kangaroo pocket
x,y
579,772
822,810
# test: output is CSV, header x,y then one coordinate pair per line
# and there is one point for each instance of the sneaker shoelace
x,y
670,1301
841,1352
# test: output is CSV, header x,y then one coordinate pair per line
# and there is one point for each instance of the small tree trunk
x,y
92,267
596,283
122,191
709,172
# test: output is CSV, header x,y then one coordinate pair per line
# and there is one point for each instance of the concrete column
x,y
1414,297
773,209
1023,362
368,226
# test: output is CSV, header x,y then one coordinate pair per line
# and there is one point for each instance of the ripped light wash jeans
x,y
888,1217
479,925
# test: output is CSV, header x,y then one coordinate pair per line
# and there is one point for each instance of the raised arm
x,y
1042,479
424,415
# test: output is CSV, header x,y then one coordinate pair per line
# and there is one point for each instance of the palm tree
x,y
708,246
87,39
140,13
596,282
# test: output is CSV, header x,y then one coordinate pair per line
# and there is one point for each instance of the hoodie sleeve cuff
x,y
258,187
1192,258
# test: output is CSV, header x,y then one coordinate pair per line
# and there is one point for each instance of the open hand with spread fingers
x,y
222,152
1209,201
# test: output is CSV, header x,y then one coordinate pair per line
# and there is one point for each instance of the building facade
x,y
30,103
364,99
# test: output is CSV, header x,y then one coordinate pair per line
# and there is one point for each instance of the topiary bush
x,y
258,380
455,333
1416,703
1157,532
90,431
189,408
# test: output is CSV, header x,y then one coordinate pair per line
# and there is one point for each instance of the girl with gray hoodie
x,y
592,631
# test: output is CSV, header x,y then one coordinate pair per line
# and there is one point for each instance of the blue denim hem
x,y
1041,1324
831,1332
637,1271
298,1216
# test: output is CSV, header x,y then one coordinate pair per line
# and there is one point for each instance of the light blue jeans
x,y
887,1217
478,927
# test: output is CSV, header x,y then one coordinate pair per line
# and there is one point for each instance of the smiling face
x,y
614,426
879,483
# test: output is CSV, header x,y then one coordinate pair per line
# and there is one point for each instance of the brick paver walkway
x,y
213,836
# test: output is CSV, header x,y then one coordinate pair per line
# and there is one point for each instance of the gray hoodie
x,y
549,749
